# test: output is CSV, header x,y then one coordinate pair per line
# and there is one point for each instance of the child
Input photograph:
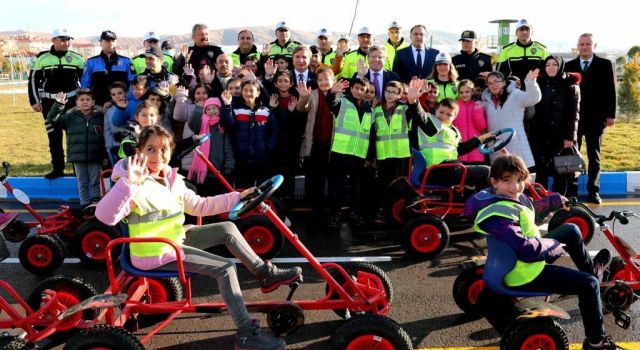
x,y
126,110
118,92
316,58
471,120
148,188
85,143
281,62
233,86
429,100
147,114
505,213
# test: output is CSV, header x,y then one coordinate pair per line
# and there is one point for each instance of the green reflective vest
x,y
350,64
392,137
59,73
351,135
522,272
140,65
286,50
441,146
448,89
328,58
235,57
391,53
518,60
158,213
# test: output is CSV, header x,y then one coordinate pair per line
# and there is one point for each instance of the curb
x,y
66,188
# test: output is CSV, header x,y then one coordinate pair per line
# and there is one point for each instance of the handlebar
x,y
622,216
6,166
195,144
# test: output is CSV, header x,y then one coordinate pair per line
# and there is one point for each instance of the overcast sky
x,y
557,24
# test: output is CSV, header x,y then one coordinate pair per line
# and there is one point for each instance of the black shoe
x,y
606,344
594,198
53,174
601,262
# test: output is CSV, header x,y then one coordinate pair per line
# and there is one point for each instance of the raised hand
x,y
61,98
226,97
266,48
415,90
303,90
273,101
188,69
248,74
269,68
362,68
137,169
533,74
293,102
186,53
340,51
340,86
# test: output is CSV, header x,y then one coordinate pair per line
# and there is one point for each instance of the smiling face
x,y
509,185
465,93
157,149
283,83
147,116
551,68
325,81
446,114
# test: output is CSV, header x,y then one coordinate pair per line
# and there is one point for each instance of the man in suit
x,y
301,56
417,59
597,105
376,73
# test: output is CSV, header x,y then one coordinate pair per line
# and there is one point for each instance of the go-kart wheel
x,y
424,237
105,337
285,319
91,242
278,207
16,343
467,289
370,332
161,290
500,139
380,281
396,210
41,254
70,291
262,192
537,333
618,297
575,215
15,232
616,271
262,235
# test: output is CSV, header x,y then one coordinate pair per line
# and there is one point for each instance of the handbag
x,y
568,161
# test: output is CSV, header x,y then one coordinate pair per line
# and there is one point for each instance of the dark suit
x,y
387,76
311,79
405,65
597,103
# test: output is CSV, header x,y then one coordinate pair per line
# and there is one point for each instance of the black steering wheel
x,y
500,139
262,192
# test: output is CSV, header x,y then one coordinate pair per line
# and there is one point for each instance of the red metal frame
x,y
632,271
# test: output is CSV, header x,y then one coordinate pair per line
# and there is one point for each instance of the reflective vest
x,y
351,135
286,50
329,57
140,65
350,64
522,272
392,137
441,146
158,213
126,145
391,53
519,60
447,89
235,57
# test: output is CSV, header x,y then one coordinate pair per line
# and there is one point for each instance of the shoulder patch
x,y
509,44
539,44
41,53
75,54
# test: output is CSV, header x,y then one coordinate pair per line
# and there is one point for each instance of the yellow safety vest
x,y
351,135
448,89
392,138
391,53
350,64
328,58
441,146
286,50
140,65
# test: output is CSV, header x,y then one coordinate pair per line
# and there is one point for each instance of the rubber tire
x,y
278,207
16,343
394,215
352,269
617,265
461,288
519,331
383,328
76,286
54,247
173,290
264,223
93,226
10,230
562,215
104,336
413,224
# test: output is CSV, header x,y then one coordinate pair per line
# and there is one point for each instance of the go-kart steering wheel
x,y
262,192
496,143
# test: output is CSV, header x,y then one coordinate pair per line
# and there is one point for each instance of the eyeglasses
x,y
495,82
389,92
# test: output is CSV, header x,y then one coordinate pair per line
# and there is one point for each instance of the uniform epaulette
x,y
75,53
140,55
535,42
296,42
509,44
41,53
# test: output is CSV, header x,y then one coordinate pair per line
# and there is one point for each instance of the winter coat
x,y
255,131
471,122
220,148
85,142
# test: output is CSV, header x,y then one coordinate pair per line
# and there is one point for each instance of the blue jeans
x,y
562,280
88,181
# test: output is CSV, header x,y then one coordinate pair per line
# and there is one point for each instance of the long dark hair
x,y
157,130
504,94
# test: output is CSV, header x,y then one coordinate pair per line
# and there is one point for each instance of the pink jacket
x,y
118,202
472,122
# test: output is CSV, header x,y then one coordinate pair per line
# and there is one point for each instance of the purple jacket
x,y
528,249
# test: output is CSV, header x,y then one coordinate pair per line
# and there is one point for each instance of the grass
x,y
23,141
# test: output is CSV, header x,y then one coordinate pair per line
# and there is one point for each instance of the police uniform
x,y
139,64
517,59
469,66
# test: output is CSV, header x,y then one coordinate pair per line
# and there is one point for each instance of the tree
x,y
634,52
629,90
621,61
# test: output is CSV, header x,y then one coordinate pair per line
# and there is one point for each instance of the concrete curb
x,y
66,188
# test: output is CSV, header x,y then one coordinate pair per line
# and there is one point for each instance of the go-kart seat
x,y
127,266
502,258
418,171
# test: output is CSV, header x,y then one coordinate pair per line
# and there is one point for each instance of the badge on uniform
x,y
210,53
534,50
289,49
454,89
68,59
480,63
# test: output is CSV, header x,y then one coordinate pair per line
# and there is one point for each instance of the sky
x,y
556,23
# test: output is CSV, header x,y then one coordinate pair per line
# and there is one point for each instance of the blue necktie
x,y
585,66
419,61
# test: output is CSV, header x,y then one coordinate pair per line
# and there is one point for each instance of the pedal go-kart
x,y
427,214
43,252
360,293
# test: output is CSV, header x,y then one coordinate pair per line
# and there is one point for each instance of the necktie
x,y
376,83
585,66
300,78
419,61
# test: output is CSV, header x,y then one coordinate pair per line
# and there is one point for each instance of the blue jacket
x,y
101,71
405,65
255,131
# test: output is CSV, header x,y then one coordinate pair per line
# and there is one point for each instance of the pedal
x,y
623,320
293,286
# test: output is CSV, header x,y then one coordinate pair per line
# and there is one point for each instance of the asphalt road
x,y
423,302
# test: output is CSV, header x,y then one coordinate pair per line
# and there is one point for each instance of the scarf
x,y
198,169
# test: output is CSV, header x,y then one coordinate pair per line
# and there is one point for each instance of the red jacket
x,y
472,122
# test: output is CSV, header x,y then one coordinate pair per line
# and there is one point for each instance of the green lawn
x,y
23,141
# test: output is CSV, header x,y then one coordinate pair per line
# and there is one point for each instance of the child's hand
x,y
188,69
247,192
226,97
415,90
340,86
293,102
248,74
340,51
362,68
106,106
137,169
269,68
485,136
273,101
303,90
61,98
533,74
266,48
564,201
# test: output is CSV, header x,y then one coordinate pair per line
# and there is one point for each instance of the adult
x,y
246,48
394,42
470,62
417,59
301,71
345,65
445,76
554,126
597,105
376,73
156,71
221,76
105,69
523,55
283,45
139,62
55,70
505,105
169,49
199,55
324,45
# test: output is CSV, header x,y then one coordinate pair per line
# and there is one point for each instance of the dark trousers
x,y
563,280
388,170
345,176
316,174
248,174
593,139
54,133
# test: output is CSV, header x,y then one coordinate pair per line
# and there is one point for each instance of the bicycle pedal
x,y
293,287
622,319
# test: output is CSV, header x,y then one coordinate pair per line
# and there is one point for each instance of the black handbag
x,y
568,161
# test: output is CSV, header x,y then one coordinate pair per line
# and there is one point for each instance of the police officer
x,y
246,47
522,55
347,64
324,44
201,53
471,63
393,44
139,65
283,45
106,68
56,70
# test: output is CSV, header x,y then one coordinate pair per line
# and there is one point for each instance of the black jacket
x,y
469,66
200,57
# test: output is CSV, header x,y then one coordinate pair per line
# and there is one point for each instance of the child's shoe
x,y
274,277
257,339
